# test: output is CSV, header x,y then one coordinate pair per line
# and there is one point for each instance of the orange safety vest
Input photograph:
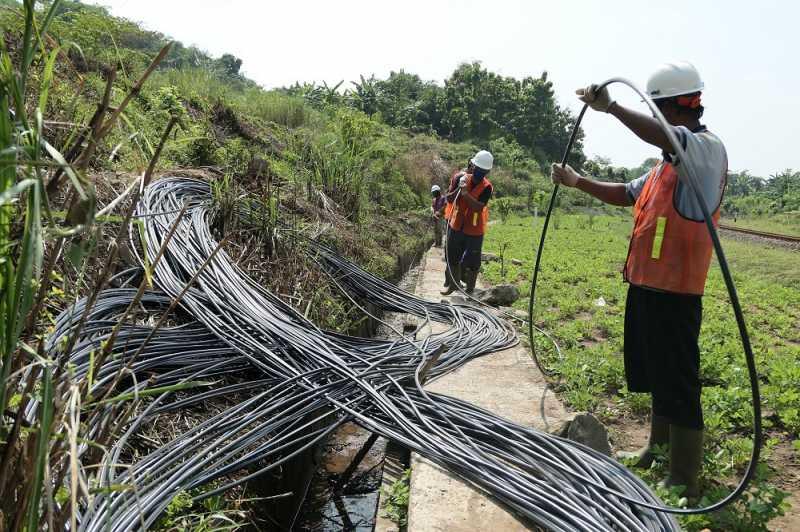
x,y
463,218
667,251
448,209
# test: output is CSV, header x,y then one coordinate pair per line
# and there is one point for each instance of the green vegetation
x,y
212,514
748,195
474,105
395,499
581,265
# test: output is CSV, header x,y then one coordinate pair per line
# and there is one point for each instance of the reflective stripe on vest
x,y
470,221
667,251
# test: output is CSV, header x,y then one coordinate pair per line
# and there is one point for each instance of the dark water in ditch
x,y
353,506
331,506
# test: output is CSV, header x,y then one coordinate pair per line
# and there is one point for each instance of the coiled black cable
x,y
692,181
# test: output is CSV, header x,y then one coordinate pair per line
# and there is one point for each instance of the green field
x,y
581,264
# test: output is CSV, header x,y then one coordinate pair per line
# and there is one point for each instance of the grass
x,y
776,265
582,263
200,85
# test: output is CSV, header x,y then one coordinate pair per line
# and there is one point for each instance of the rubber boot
x,y
446,270
470,278
659,435
452,275
685,459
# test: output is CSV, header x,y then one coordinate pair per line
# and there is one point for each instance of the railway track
x,y
762,234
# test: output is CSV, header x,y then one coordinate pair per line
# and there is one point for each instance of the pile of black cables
x,y
290,384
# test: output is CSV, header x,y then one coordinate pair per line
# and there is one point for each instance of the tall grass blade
x,y
42,448
47,78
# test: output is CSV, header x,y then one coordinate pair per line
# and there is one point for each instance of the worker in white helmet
x,y
438,203
667,264
467,216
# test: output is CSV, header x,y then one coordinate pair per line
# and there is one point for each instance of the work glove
x,y
463,181
599,100
566,176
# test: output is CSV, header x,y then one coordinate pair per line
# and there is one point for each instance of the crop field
x,y
580,301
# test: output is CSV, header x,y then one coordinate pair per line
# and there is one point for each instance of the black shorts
x,y
661,352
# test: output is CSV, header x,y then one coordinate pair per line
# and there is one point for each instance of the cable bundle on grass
x,y
296,383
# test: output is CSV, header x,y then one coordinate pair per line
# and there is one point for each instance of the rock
x,y
458,299
500,295
489,257
516,262
600,302
586,429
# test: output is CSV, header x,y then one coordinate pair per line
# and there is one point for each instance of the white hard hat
x,y
435,188
674,79
483,159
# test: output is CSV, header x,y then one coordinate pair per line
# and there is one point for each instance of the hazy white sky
x,y
746,51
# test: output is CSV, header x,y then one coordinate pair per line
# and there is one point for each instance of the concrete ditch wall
x,y
507,383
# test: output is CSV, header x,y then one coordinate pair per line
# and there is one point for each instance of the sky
x,y
746,53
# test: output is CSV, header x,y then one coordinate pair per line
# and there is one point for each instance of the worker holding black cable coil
x,y
667,264
467,218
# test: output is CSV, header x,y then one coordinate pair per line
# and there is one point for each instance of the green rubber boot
x,y
470,278
685,459
453,274
659,435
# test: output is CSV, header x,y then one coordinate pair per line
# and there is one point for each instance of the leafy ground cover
x,y
581,303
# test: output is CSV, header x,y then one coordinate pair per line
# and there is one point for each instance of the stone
x,y
516,262
586,429
502,295
458,299
489,257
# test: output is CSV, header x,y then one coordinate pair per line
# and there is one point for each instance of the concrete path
x,y
507,383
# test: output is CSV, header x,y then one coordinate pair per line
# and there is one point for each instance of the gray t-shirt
x,y
708,156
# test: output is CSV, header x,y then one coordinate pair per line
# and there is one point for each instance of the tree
x,y
365,95
743,183
229,65
781,184
507,152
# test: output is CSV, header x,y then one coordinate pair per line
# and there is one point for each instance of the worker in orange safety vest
x,y
467,216
453,188
667,264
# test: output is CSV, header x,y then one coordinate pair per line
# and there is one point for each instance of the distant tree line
x,y
473,105
747,194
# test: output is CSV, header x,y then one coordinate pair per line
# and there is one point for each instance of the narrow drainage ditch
x,y
352,467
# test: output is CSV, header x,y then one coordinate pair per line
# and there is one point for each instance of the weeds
x,y
395,499
212,514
